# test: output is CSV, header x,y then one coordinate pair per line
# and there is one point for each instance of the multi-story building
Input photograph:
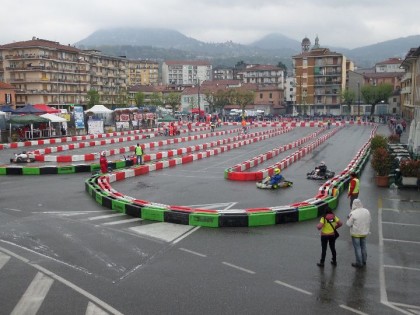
x,y
223,73
263,74
320,76
185,72
142,72
290,92
410,85
7,95
47,72
389,65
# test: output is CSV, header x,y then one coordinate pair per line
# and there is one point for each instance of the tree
x,y
242,98
348,97
92,98
156,99
281,65
139,98
216,100
375,94
173,100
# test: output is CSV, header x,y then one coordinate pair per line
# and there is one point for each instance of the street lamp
x,y
198,101
358,102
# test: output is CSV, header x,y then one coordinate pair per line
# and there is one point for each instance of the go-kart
x,y
316,175
24,157
265,184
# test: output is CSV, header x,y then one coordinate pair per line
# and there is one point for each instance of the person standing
x,y
103,163
328,224
353,192
359,221
139,154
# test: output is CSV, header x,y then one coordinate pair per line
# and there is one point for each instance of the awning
x,y
53,118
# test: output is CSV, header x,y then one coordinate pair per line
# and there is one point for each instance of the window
x,y
261,95
271,95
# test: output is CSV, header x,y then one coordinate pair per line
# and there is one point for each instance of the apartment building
x,y
320,79
7,95
389,65
263,74
410,85
142,72
223,73
184,72
47,72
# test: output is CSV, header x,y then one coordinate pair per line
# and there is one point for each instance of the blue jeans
x,y
359,244
139,159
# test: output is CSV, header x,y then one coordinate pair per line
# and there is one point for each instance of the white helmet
x,y
322,163
103,153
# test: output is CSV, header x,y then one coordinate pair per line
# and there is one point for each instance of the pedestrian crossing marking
x,y
3,259
164,231
34,295
93,309
123,221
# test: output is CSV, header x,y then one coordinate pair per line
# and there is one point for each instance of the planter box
x,y
409,181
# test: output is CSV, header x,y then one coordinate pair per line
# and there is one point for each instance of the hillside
x,y
161,44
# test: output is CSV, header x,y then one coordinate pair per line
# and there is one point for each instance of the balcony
x,y
406,90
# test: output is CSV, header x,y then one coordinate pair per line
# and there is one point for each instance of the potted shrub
x,y
394,138
378,141
382,165
410,172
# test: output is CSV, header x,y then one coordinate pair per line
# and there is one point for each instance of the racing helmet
x,y
277,170
322,163
103,153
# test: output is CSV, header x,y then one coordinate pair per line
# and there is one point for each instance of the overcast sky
x,y
339,23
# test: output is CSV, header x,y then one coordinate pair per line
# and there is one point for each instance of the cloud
x,y
345,23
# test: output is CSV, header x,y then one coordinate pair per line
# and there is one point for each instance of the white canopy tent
x,y
99,109
100,112
53,119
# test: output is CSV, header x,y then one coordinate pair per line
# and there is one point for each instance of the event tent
x,y
25,120
53,118
47,109
99,109
7,109
29,109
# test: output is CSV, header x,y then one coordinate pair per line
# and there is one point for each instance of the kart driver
x,y
277,177
321,170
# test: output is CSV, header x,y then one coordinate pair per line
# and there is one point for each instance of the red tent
x,y
195,111
47,109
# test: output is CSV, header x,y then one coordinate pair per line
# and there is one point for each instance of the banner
x,y
79,117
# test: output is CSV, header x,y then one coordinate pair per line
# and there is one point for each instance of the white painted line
x,y
86,294
123,221
185,235
402,267
293,287
352,310
406,305
400,210
164,231
60,212
93,309
401,241
106,216
403,224
382,283
239,268
3,259
34,295
192,252
11,209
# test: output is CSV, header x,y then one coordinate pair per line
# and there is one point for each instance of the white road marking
x,y
186,234
402,267
34,295
395,223
123,221
11,209
192,252
106,216
93,309
382,283
86,294
3,259
399,210
239,268
401,241
62,212
164,231
352,310
292,287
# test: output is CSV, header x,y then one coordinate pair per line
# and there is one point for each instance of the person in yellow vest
x,y
328,224
139,154
354,185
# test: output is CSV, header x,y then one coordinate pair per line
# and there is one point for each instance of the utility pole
x,y
198,101
358,101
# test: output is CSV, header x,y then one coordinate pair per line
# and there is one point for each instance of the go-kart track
x,y
213,168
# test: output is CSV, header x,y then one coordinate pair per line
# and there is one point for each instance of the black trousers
x,y
325,240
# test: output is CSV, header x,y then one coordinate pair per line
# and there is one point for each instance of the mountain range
x,y
163,44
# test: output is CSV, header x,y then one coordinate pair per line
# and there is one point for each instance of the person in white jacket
x,y
359,221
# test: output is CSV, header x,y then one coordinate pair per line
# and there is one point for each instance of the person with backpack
x,y
328,225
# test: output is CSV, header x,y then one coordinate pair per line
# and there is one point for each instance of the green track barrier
x,y
120,164
119,205
332,202
262,218
31,171
3,171
95,167
340,187
153,214
204,219
66,169
307,213
98,197
226,173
